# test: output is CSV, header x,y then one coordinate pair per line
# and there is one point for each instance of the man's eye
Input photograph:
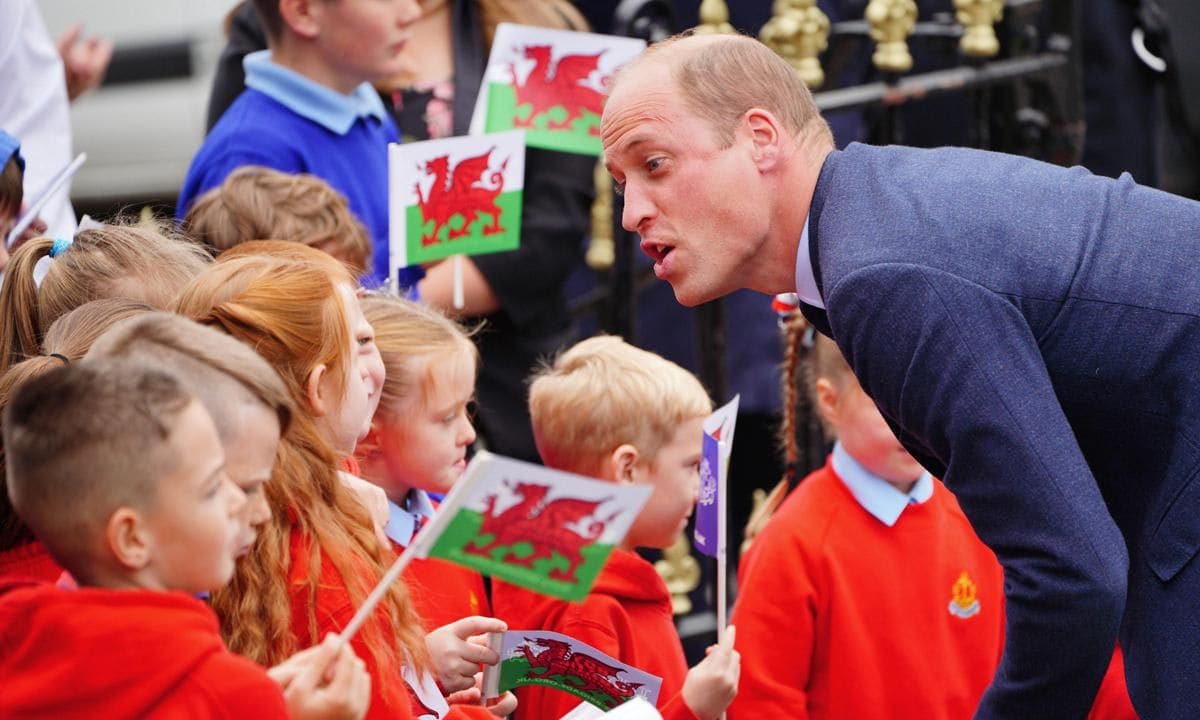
x,y
618,188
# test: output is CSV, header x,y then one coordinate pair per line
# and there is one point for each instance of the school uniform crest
x,y
965,602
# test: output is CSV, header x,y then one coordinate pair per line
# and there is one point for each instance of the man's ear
x,y
623,462
317,402
765,136
128,539
303,17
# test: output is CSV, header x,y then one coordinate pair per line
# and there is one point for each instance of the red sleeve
x,y
775,638
238,688
1112,702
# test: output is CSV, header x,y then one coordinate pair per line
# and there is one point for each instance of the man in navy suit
x,y
1032,334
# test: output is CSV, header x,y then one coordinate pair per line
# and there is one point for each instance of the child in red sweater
x,y
417,445
156,522
618,413
867,595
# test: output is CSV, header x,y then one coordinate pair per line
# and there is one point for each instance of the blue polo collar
x,y
324,106
405,519
875,494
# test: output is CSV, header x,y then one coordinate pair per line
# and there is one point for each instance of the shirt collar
x,y
875,494
806,281
324,106
403,519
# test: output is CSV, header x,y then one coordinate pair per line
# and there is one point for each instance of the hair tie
x,y
65,360
59,247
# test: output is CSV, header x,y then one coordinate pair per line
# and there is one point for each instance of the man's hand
x,y
712,684
458,649
324,682
84,63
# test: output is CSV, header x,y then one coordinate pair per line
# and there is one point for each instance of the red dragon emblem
x,y
460,191
582,672
541,523
552,84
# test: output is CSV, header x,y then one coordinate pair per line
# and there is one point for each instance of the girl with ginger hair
x,y
67,340
123,260
298,308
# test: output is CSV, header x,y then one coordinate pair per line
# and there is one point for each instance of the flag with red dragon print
x,y
543,529
455,196
552,83
554,660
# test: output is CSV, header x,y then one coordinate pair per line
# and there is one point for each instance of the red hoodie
x,y
627,616
30,561
94,653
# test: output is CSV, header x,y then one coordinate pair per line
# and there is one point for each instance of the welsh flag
x,y
543,529
709,537
550,82
550,659
455,196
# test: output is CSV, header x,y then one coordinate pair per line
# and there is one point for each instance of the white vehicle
x,y
141,128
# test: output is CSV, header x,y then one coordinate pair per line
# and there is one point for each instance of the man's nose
x,y
637,210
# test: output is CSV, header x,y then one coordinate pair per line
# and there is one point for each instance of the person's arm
x,y
245,36
958,369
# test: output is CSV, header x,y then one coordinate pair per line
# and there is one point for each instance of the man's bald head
x,y
720,77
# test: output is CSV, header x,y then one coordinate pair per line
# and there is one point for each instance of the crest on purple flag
x,y
709,537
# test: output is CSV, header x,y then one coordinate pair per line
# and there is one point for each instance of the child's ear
x,y
302,17
827,400
317,402
624,462
127,539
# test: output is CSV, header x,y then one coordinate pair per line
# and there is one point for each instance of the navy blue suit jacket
x,y
1032,333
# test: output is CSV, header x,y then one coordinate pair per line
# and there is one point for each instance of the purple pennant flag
x,y
709,537
708,507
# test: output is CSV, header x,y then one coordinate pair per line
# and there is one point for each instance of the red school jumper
x,y
840,616
441,591
30,561
95,653
391,698
627,615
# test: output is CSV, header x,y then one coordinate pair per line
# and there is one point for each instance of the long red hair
x,y
282,299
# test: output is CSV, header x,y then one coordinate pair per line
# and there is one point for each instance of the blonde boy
x,y
618,413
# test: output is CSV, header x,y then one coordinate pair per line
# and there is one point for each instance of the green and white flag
x,y
554,660
543,529
551,83
453,196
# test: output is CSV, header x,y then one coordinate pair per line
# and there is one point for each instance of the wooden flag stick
x,y
458,282
723,477
377,594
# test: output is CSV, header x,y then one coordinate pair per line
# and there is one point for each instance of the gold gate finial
x,y
978,18
892,21
798,31
714,18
